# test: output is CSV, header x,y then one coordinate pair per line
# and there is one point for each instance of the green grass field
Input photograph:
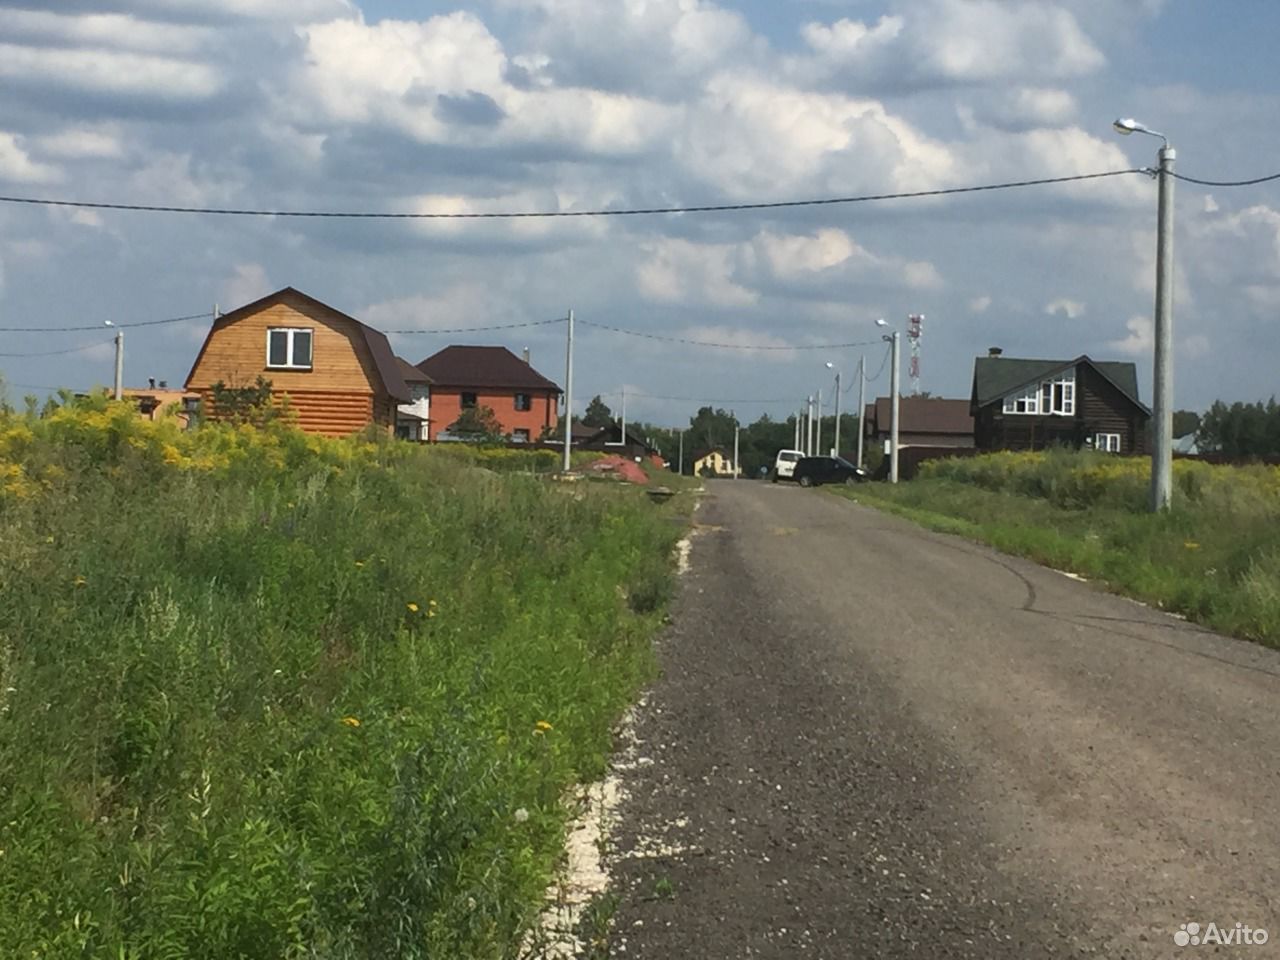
x,y
1214,558
267,696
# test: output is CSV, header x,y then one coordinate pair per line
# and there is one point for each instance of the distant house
x,y
714,462
463,377
413,418
1032,404
610,440
153,400
922,421
338,374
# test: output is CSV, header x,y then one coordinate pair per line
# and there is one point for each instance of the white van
x,y
784,464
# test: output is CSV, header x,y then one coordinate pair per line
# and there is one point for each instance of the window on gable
x,y
1047,397
1025,402
289,348
524,401
468,400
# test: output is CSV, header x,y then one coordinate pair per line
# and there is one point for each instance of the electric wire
x,y
1227,183
724,346
56,353
496,326
534,214
104,326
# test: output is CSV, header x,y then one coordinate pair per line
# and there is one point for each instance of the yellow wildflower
x,y
351,721
542,726
413,607
1191,545
359,563
79,581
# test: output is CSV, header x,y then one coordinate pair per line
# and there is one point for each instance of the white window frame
x,y
291,332
528,402
1107,442
1046,397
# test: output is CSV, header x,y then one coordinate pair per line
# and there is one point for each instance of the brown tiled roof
x,y
922,415
411,373
463,366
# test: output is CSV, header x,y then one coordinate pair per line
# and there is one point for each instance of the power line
x,y
497,326
55,353
1228,183
658,396
515,215
101,326
724,346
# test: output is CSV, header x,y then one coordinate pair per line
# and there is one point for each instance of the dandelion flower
x,y
413,607
543,726
351,721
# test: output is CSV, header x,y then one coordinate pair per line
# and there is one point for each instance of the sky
x,y
560,105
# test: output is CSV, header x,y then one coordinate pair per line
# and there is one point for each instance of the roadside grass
x,y
265,695
1214,558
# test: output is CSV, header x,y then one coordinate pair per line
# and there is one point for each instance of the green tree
x,y
598,413
1241,430
1185,422
245,404
477,424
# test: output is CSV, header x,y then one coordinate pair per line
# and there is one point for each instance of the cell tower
x,y
915,322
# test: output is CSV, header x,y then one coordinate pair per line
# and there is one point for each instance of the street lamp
x,y
835,447
893,401
1162,385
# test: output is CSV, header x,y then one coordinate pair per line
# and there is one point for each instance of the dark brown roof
x,y
411,373
384,360
922,415
461,366
996,377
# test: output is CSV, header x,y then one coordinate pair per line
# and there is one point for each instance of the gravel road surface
x,y
874,741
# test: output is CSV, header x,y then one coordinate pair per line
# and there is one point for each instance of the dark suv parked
x,y
814,471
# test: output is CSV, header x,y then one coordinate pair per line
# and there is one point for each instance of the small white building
x,y
413,418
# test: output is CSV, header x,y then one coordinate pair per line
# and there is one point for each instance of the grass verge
x,y
1214,558
263,695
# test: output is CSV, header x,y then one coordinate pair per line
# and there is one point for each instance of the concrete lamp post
x,y
895,341
1162,381
835,444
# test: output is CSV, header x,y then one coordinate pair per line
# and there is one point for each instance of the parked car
x,y
784,463
814,471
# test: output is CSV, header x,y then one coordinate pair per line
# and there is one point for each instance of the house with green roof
x,y
1033,404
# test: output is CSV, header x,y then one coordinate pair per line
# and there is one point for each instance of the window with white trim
x,y
1047,397
289,348
1107,442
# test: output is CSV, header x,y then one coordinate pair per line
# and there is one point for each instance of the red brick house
x,y
463,377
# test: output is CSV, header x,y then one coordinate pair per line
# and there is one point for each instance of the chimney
x,y
994,351
151,382
526,354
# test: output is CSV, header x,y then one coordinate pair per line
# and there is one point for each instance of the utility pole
x,y
862,403
835,447
799,416
119,384
817,442
623,438
736,469
808,426
893,423
568,394
681,467
1162,403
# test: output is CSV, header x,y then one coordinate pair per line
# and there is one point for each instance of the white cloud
x,y
1210,204
1071,309
80,143
921,275
104,29
791,256
16,164
740,337
680,271
1141,338
108,71
248,282
980,304
1195,346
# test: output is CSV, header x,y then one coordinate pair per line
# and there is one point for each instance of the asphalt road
x,y
874,741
